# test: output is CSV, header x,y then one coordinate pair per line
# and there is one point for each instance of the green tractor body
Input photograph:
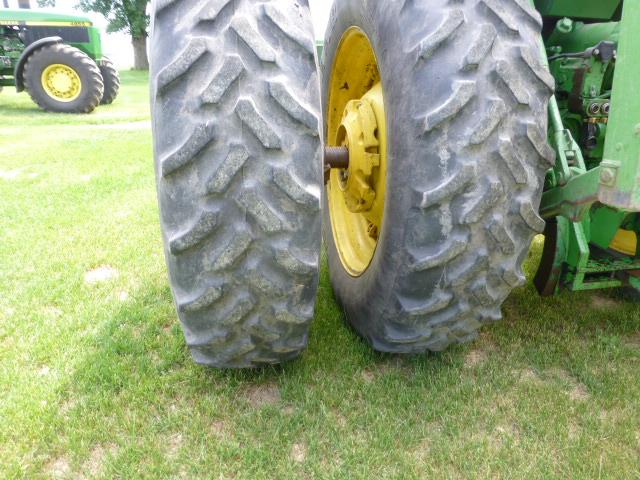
x,y
592,195
584,9
23,33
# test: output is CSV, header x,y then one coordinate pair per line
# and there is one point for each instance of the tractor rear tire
x,y
111,80
466,99
236,123
91,84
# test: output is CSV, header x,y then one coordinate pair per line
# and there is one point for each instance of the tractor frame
x,y
592,194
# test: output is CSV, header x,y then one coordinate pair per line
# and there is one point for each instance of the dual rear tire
x,y
236,119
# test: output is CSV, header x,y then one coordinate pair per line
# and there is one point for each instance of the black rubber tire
x,y
236,123
88,71
466,101
111,80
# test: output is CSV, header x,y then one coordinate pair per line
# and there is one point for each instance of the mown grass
x,y
95,380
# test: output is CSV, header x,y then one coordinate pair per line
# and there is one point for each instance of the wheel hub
x,y
358,133
61,82
355,161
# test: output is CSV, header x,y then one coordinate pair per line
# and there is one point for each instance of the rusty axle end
x,y
335,157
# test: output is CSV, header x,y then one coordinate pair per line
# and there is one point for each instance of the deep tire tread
x,y
238,182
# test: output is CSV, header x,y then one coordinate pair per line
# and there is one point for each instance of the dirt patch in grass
x,y
262,395
368,375
527,375
603,303
574,432
174,444
95,463
339,418
394,364
482,348
59,468
577,392
298,452
474,358
633,341
220,429
614,416
504,433
422,451
100,274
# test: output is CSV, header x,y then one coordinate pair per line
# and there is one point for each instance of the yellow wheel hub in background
x,y
356,119
625,242
61,82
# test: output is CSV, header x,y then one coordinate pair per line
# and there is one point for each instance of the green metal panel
x,y
94,47
606,222
595,9
620,176
578,36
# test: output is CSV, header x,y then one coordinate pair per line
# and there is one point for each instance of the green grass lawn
x,y
96,382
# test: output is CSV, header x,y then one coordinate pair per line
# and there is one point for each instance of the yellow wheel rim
x,y
61,82
356,119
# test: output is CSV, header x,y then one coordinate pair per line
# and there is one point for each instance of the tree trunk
x,y
140,60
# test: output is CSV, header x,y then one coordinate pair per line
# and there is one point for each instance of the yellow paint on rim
x,y
356,118
61,82
626,242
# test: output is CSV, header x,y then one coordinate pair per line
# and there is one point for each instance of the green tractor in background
x,y
451,133
57,59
